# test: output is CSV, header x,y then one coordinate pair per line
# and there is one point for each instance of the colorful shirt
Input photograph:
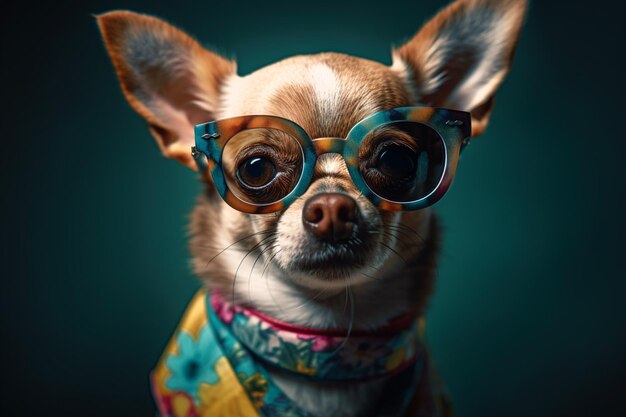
x,y
216,363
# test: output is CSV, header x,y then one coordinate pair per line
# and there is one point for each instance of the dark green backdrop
x,y
528,316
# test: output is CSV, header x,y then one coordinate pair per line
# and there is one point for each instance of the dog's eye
x,y
397,162
256,171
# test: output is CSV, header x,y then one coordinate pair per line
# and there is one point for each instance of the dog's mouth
x,y
330,242
333,261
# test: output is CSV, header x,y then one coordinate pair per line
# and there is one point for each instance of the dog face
x,y
331,237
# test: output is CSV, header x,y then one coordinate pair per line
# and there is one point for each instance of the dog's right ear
x,y
461,56
166,76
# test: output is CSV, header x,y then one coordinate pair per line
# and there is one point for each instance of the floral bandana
x,y
215,364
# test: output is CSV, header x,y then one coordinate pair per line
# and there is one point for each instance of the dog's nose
x,y
331,216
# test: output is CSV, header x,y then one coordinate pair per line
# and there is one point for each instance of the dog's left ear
x,y
459,58
166,76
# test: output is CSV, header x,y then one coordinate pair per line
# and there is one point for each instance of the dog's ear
x,y
460,57
166,76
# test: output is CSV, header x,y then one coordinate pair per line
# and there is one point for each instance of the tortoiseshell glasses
x,y
400,159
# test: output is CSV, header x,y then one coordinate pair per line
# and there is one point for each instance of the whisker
x,y
372,277
267,281
397,238
352,308
238,241
390,234
400,231
349,296
219,248
394,251
411,234
406,229
243,260
310,300
268,247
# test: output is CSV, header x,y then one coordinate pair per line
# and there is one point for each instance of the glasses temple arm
x,y
201,160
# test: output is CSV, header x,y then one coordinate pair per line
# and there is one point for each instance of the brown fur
x,y
359,77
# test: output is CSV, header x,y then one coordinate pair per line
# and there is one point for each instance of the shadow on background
x,y
528,316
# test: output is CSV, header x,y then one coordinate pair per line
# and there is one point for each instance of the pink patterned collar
x,y
324,354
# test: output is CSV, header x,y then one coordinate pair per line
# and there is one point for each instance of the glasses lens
x,y
261,166
402,161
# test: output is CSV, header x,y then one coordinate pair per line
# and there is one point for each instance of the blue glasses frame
x,y
452,126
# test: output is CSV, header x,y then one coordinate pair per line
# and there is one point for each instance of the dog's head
x,y
331,236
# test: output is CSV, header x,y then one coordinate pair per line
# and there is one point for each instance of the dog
x,y
349,262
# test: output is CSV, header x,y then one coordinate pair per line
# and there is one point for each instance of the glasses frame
x,y
452,126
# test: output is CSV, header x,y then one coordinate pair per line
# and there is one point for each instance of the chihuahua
x,y
315,219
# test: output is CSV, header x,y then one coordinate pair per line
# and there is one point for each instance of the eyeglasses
x,y
400,159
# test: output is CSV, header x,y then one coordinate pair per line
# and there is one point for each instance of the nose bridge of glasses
x,y
329,145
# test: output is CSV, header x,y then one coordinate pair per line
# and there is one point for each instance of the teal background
x,y
528,315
